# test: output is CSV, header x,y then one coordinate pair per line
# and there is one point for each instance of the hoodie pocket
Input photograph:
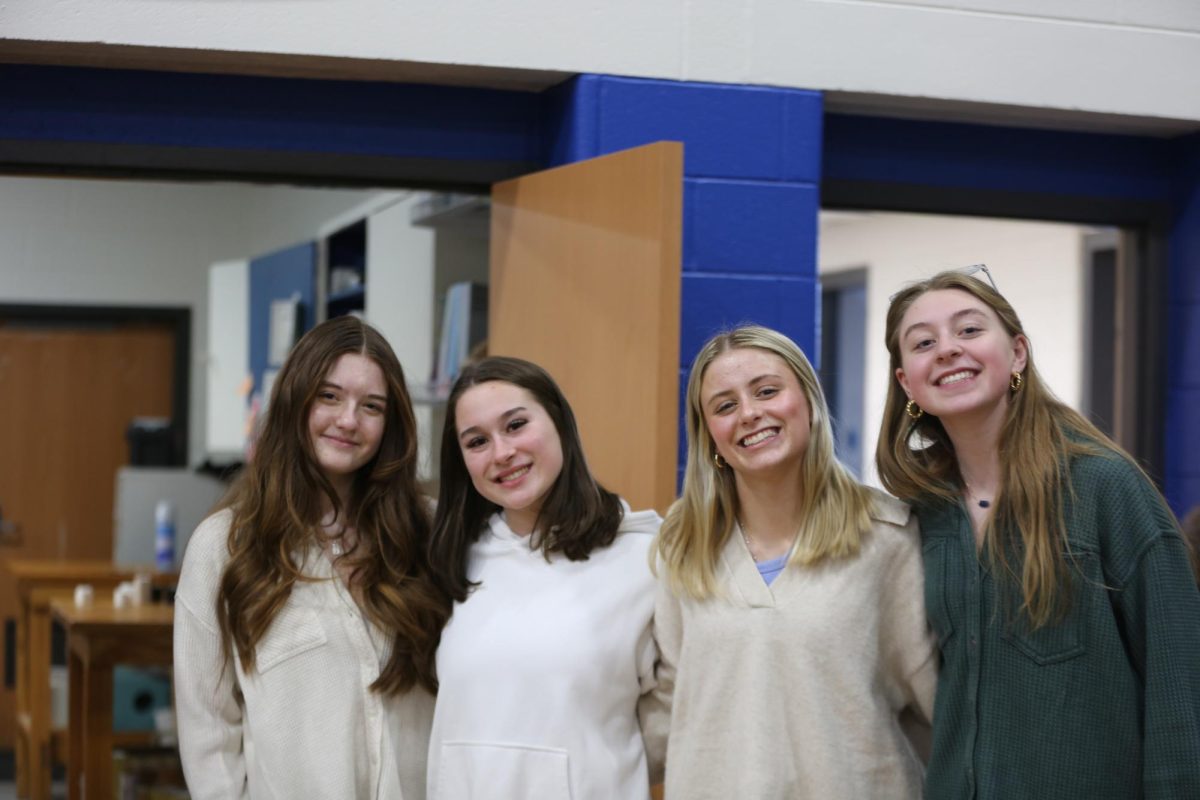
x,y
477,770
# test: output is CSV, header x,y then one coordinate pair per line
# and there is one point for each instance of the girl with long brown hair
x,y
549,650
306,620
1055,576
795,657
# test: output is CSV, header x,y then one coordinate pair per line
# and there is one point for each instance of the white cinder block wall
x,y
1126,57
1038,266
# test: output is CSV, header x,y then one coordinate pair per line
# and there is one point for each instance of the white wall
x,y
139,243
1110,56
1038,266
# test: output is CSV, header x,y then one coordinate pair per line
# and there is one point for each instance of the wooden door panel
x,y
585,281
67,396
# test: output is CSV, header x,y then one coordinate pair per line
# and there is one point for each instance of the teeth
x,y
956,377
512,476
761,436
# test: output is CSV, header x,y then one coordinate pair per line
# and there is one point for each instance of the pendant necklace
x,y
980,501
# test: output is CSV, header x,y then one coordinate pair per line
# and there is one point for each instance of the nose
x,y
750,410
347,418
503,451
948,347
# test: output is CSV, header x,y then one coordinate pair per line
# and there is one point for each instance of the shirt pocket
x,y
1059,640
294,631
936,554
472,770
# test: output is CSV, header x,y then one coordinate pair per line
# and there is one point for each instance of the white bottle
x,y
164,536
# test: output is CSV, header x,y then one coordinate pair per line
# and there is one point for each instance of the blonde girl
x,y
794,647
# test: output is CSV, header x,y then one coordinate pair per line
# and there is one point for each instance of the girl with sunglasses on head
x,y
1056,579
549,649
306,619
794,648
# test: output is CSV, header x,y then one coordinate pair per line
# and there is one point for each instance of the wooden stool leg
x,y
22,740
75,729
38,683
98,731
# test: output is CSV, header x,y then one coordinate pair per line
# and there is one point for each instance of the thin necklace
x,y
750,542
746,539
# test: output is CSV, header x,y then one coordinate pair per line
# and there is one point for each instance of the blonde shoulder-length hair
x,y
837,507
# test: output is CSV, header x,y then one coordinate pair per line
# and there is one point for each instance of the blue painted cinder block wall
x,y
1183,341
751,194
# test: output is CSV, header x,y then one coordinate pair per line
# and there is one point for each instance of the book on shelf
x,y
464,326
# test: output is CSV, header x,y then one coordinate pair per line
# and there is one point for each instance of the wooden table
x,y
38,581
100,636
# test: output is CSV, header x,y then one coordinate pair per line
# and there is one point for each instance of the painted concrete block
x,y
728,131
716,302
752,227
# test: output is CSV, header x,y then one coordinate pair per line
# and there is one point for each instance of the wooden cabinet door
x,y
585,281
69,394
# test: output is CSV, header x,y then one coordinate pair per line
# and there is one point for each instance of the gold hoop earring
x,y
913,410
1016,382
720,462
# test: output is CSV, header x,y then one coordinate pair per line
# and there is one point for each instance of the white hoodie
x,y
541,670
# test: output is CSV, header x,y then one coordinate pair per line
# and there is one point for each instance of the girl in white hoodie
x,y
549,648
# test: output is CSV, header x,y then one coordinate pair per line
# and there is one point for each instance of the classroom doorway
x,y
1065,280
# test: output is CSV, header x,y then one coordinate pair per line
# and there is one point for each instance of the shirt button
x,y
973,641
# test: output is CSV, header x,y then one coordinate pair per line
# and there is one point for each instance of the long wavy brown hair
x,y
1039,438
277,505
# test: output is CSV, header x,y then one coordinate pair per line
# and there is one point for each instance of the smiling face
x,y
756,412
956,358
510,447
346,420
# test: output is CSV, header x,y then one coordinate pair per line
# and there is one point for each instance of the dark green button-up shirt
x,y
1106,703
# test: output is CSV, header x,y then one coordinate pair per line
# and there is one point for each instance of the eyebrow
x,y
953,317
504,416
331,385
753,382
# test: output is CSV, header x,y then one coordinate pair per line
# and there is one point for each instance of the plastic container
x,y
164,536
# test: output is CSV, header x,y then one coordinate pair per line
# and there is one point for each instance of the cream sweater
x,y
309,727
796,690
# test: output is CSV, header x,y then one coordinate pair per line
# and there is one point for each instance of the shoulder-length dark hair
x,y
277,507
578,515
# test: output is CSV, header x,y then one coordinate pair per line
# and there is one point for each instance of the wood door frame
x,y
178,318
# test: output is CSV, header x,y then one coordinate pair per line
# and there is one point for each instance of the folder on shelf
x,y
464,325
